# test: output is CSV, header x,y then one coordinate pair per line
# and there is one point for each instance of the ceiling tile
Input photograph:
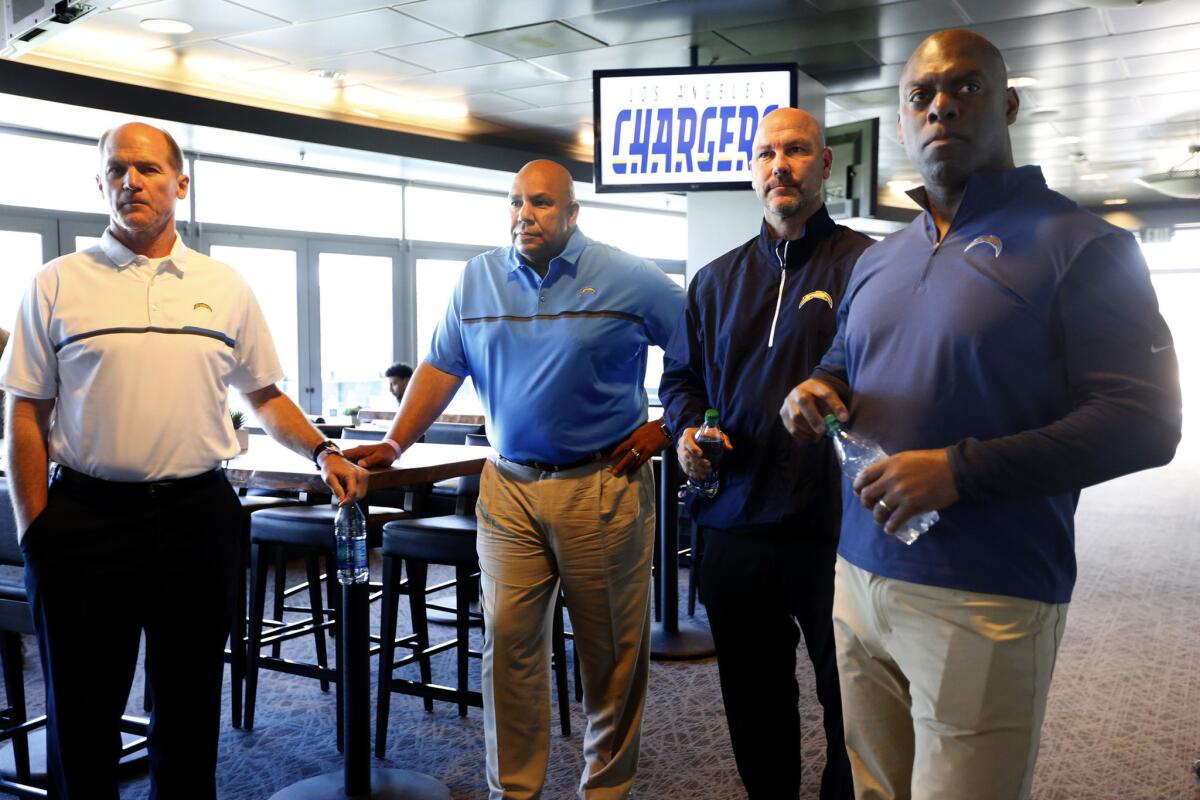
x,y
357,68
494,103
308,10
577,114
446,54
1149,17
1181,106
1075,74
208,20
678,17
555,94
472,80
1129,45
815,61
671,52
217,58
856,80
542,39
466,17
1115,90
991,11
1164,63
370,30
1067,26
846,26
871,98
842,5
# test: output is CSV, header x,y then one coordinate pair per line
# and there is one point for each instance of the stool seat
x,y
312,526
257,502
436,540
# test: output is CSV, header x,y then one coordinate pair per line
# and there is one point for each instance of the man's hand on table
x,y
346,479
637,448
372,455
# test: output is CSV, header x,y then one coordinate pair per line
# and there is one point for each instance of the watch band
x,y
324,447
662,425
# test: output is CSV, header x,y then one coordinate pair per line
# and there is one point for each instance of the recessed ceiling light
x,y
362,112
1021,81
1045,113
1078,157
163,25
327,74
1116,201
1094,176
1068,140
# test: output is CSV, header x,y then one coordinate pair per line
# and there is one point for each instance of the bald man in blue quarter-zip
x,y
758,318
1006,348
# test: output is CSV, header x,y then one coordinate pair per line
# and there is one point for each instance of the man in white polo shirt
x,y
132,344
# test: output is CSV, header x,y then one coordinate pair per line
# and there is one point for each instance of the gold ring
x,y
883,505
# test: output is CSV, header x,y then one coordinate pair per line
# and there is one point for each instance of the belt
x,y
100,490
542,466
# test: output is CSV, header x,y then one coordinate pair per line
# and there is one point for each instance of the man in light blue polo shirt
x,y
554,331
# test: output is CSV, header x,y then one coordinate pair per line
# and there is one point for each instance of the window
x,y
436,279
271,274
22,258
643,233
356,330
436,215
273,198
654,357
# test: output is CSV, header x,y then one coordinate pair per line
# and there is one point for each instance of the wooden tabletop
x,y
269,465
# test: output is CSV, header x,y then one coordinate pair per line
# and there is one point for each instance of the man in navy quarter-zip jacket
x,y
758,319
1007,350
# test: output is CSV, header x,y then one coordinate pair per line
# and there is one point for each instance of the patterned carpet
x,y
1123,721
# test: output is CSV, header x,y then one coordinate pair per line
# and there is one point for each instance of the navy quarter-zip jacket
x,y
758,320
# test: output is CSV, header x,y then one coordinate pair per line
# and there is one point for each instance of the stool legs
x,y
418,572
387,649
313,572
258,603
558,645
14,687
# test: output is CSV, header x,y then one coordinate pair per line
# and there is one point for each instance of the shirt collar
x,y
570,254
986,190
121,256
816,228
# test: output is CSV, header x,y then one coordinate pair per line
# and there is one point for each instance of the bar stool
x,y
307,532
446,540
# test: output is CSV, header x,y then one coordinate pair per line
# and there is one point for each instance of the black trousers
x,y
761,588
103,564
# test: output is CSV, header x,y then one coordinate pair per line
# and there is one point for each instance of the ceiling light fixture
x,y
362,112
1068,140
1094,176
1045,113
163,25
327,74
1116,201
1181,181
1021,81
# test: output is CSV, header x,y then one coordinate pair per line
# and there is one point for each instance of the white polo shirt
x,y
139,354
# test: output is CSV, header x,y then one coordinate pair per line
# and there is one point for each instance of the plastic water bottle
x,y
855,453
350,530
712,444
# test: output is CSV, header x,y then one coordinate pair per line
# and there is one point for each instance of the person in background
x,y
553,330
1007,350
758,320
118,372
398,375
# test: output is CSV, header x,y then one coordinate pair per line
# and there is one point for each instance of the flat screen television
x,y
683,129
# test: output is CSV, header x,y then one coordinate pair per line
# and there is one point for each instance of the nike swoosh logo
x,y
1154,349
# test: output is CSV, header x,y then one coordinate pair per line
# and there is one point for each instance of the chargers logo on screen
x,y
687,127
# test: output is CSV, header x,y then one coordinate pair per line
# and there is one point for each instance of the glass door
x,y
27,243
436,271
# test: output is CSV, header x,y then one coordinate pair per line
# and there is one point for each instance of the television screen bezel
x,y
792,69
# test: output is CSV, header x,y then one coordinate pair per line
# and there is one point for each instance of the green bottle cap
x,y
831,423
710,417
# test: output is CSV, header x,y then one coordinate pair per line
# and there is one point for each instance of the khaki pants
x,y
943,691
594,533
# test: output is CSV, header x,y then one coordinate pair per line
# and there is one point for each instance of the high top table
x,y
268,465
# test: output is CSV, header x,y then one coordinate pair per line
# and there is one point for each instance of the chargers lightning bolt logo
x,y
817,296
991,241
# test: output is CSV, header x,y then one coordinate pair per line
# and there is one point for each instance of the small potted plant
x,y
243,436
352,413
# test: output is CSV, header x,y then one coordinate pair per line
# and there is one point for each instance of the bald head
x,y
174,153
957,44
542,211
955,109
789,167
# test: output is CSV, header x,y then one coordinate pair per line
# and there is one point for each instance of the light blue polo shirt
x,y
558,362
